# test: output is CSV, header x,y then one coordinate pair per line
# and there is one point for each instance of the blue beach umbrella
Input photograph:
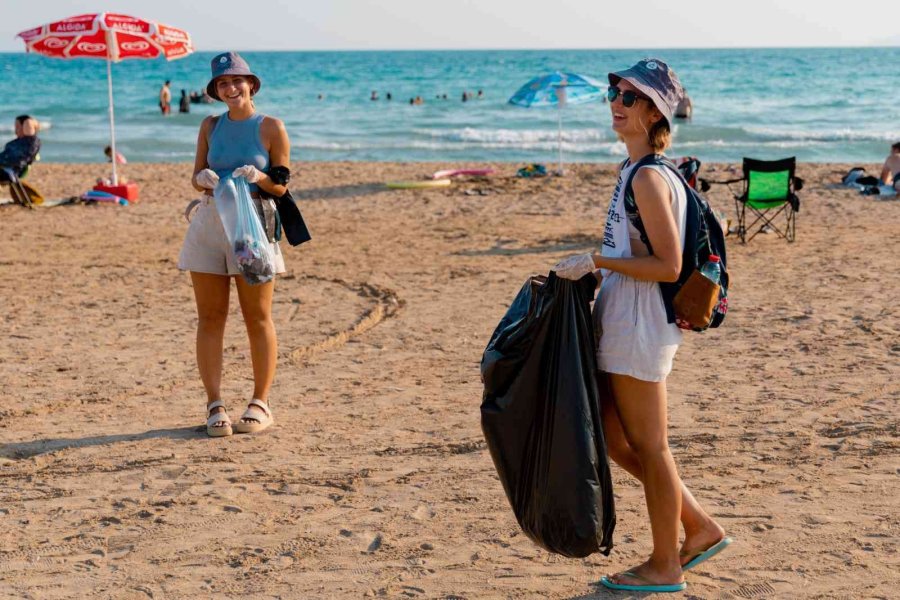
x,y
558,89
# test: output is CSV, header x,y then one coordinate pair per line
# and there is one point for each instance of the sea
x,y
818,104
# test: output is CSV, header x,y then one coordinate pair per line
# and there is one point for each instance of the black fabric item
x,y
280,175
540,415
867,180
292,222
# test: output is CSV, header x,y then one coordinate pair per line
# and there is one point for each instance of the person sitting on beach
x,y
640,338
22,150
685,108
238,143
890,172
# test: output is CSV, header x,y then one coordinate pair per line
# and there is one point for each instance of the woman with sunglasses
x,y
638,342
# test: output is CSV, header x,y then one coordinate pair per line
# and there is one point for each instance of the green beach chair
x,y
769,191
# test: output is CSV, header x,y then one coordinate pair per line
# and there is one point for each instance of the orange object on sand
x,y
129,191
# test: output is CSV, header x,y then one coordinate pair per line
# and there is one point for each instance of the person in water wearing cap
x,y
238,143
638,342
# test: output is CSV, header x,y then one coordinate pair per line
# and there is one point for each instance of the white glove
x,y
248,172
575,267
207,178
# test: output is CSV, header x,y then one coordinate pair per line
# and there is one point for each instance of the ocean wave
x,y
833,135
550,147
10,127
749,144
515,137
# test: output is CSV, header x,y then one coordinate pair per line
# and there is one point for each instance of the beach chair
x,y
20,191
769,190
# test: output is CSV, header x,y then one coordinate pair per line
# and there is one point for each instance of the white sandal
x,y
213,429
259,413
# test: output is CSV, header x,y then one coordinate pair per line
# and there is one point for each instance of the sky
x,y
489,24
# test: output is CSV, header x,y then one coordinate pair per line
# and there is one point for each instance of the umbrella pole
x,y
112,122
559,136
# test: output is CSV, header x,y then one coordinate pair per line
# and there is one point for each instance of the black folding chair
x,y
769,190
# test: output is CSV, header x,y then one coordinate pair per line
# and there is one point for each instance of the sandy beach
x,y
375,480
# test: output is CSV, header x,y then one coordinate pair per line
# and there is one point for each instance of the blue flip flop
x,y
648,587
708,553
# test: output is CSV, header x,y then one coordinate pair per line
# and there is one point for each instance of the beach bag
x,y
244,230
540,414
703,237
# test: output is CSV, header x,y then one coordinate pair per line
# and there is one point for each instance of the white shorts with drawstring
x,y
636,339
206,248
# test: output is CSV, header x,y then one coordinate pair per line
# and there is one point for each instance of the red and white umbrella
x,y
111,37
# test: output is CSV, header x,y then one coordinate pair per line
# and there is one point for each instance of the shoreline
x,y
375,480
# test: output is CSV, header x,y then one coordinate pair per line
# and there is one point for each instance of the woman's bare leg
x,y
700,530
256,306
642,409
211,294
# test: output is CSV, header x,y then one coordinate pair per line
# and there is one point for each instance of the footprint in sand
x,y
423,512
366,542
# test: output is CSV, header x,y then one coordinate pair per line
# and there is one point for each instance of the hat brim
x,y
645,88
211,86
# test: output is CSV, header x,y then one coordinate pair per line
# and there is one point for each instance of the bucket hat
x,y
230,63
655,79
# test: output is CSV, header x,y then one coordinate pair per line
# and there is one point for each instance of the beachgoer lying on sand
x,y
890,172
21,151
639,337
240,142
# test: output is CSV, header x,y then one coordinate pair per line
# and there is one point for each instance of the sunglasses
x,y
629,97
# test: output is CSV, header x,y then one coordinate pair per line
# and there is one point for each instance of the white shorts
x,y
206,248
636,339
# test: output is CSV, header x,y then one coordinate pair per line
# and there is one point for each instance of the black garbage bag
x,y
541,417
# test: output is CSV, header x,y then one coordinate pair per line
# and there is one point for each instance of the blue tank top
x,y
233,144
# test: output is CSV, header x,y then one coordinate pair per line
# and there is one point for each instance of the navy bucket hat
x,y
230,63
655,79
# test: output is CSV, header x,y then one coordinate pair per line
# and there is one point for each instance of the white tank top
x,y
620,233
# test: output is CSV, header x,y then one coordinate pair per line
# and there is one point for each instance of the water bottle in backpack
x,y
712,270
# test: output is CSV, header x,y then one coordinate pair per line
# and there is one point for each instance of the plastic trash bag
x,y
244,230
540,415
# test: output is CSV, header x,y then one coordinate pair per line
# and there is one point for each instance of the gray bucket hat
x,y
229,63
655,79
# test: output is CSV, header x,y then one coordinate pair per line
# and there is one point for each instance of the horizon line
x,y
515,49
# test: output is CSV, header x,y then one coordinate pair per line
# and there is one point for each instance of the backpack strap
x,y
631,205
693,225
631,208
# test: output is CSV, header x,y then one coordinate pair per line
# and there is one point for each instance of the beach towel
x,y
868,185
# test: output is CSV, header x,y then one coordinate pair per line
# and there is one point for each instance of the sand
x,y
375,480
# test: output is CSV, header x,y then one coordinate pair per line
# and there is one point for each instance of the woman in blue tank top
x,y
243,143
